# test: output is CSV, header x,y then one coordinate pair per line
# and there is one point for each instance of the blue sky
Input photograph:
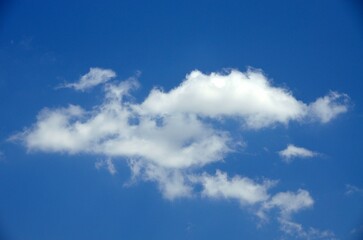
x,y
181,120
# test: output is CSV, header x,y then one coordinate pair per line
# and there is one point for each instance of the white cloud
x,y
328,107
248,96
114,130
167,129
250,193
94,77
243,189
108,164
51,133
290,202
173,183
296,230
170,137
293,151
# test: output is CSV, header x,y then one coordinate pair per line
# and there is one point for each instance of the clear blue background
x,y
310,47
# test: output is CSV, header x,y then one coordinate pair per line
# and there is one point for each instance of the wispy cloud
x,y
256,196
94,77
351,189
297,231
108,164
292,151
358,231
169,137
289,203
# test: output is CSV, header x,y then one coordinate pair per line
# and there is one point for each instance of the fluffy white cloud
x,y
94,77
248,96
243,189
293,151
170,136
290,202
250,193
328,107
168,129
114,130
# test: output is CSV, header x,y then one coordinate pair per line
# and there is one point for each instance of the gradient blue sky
x,y
308,47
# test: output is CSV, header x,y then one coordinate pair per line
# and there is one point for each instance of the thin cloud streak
x,y
94,77
292,151
351,189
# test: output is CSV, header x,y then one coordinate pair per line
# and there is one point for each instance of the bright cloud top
x,y
170,136
292,151
93,78
248,96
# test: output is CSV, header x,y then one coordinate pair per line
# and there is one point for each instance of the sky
x,y
181,120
